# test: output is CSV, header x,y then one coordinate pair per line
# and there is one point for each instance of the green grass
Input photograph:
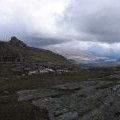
x,y
17,82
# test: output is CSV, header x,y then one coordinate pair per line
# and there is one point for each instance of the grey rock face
x,y
85,100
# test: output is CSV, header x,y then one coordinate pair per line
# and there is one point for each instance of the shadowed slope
x,y
17,51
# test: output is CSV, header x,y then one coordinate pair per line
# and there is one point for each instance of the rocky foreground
x,y
85,100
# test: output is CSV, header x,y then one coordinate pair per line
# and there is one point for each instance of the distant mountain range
x,y
101,63
86,59
17,51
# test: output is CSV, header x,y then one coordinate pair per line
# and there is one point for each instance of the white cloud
x,y
100,49
32,17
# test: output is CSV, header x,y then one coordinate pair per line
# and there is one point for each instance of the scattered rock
x,y
68,116
116,90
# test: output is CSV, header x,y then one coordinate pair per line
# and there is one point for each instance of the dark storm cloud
x,y
105,25
40,42
94,20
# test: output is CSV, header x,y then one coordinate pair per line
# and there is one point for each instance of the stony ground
x,y
84,94
85,100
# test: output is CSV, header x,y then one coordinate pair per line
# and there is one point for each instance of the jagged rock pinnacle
x,y
14,40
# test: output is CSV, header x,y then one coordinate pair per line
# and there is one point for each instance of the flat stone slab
x,y
69,86
68,116
83,85
35,94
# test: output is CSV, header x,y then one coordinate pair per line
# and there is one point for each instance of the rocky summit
x,y
17,51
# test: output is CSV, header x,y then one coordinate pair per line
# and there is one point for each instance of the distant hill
x,y
17,51
76,56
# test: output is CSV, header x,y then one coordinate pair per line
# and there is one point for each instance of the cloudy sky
x,y
82,25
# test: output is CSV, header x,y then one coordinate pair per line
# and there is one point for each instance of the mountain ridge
x,y
17,51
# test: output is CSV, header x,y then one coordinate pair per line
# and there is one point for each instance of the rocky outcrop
x,y
17,51
14,50
85,100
